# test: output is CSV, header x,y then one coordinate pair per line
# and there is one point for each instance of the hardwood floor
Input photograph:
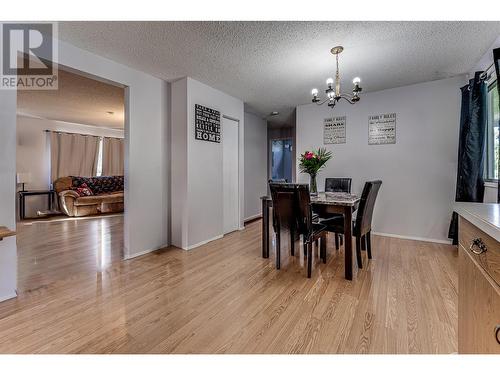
x,y
224,298
52,251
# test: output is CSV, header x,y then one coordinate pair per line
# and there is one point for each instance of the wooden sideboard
x,y
6,232
479,282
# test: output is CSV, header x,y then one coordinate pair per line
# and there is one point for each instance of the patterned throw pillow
x,y
83,190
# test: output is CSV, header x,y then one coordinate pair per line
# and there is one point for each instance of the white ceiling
x,y
79,100
272,66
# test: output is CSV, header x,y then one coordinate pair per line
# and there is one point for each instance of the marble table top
x,y
337,199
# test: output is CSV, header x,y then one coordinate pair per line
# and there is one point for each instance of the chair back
x,y
365,208
338,184
284,206
304,210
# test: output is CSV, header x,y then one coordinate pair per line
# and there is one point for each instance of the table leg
x,y
50,201
348,242
265,229
22,213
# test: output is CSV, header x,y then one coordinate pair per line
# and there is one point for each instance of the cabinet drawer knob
x,y
497,333
477,246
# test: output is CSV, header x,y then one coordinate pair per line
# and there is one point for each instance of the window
x,y
281,159
99,158
491,165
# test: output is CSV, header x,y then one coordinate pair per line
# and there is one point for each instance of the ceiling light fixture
x,y
333,94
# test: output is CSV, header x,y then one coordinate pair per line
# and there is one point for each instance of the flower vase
x,y
313,187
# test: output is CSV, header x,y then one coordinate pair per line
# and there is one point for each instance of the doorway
x,y
281,159
70,174
230,171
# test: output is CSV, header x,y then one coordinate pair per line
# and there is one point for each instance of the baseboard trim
x,y
423,239
252,218
8,296
141,253
203,242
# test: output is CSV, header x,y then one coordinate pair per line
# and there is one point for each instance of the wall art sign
x,y
206,124
382,129
334,130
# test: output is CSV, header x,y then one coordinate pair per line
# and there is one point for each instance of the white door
x,y
230,185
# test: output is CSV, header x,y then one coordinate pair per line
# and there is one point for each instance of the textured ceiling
x,y
79,100
272,66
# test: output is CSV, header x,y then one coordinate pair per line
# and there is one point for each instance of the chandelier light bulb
x,y
329,81
314,92
331,94
356,80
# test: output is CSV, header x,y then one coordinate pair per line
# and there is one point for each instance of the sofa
x,y
84,196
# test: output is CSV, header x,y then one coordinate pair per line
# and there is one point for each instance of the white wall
x,y
197,194
418,172
255,164
146,154
8,251
33,154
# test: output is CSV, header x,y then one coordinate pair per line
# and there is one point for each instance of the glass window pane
x,y
99,158
492,141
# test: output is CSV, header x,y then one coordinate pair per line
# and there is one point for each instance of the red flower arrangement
x,y
311,162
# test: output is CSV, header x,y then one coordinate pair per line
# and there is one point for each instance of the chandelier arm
x,y
348,98
322,102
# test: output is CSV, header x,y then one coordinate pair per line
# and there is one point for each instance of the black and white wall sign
x,y
334,130
206,124
382,129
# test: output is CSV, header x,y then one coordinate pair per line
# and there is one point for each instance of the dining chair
x,y
284,215
338,185
362,222
310,230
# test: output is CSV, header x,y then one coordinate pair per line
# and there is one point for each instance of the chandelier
x,y
333,94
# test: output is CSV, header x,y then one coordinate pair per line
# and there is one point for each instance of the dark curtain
x,y
496,59
471,147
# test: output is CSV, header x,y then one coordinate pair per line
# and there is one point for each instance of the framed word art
x,y
206,124
334,130
382,129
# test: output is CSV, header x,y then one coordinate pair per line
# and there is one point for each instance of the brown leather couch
x,y
108,195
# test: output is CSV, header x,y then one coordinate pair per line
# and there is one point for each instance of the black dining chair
x,y
338,185
292,211
363,221
310,230
284,215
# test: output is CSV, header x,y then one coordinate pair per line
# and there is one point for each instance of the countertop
x,y
485,216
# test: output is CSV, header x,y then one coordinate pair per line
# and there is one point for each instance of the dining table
x,y
324,204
